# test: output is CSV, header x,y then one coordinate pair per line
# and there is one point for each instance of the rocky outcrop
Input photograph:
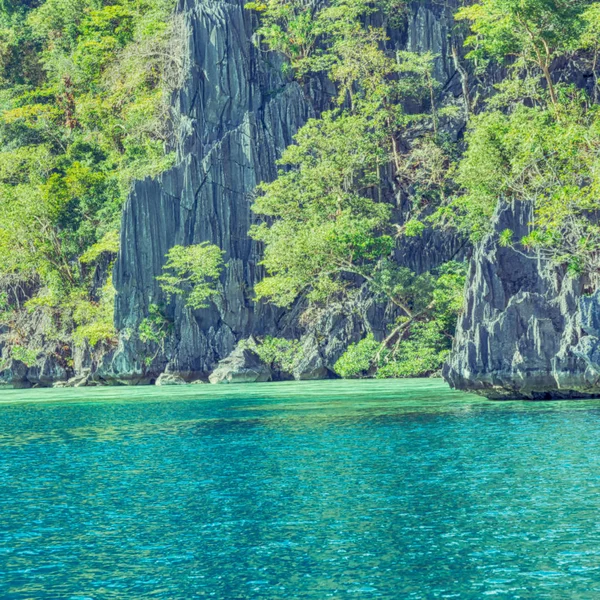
x,y
170,379
243,365
236,112
41,361
527,330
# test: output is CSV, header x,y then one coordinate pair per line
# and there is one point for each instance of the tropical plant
x,y
192,271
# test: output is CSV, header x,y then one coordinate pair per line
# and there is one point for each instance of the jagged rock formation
x,y
527,330
243,365
236,114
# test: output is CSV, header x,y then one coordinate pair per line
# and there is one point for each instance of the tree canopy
x,y
84,88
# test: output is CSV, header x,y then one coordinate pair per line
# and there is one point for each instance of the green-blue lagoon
x,y
334,489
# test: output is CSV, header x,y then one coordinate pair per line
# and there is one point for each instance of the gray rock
x,y
170,379
236,114
589,314
82,379
520,334
243,365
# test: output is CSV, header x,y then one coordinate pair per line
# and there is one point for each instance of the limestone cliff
x,y
527,330
237,113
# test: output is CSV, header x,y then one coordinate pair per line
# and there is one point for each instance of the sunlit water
x,y
399,489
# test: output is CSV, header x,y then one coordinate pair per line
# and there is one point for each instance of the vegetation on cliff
x,y
329,225
84,110
328,229
538,140
85,90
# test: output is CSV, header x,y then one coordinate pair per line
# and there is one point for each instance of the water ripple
x,y
331,490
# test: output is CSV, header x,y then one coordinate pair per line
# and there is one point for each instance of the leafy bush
x,y
194,271
358,359
95,320
28,356
154,331
416,347
155,328
280,353
421,354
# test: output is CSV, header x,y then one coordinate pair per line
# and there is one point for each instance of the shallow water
x,y
394,489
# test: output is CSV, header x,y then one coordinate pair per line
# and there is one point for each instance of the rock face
x,y
236,113
243,365
45,363
527,330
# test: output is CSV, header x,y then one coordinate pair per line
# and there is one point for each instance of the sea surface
x,y
329,489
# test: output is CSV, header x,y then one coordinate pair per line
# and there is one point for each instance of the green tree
x,y
83,112
529,146
529,155
526,33
328,226
193,271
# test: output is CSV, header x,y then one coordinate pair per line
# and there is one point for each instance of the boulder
x,y
82,379
170,379
311,365
243,365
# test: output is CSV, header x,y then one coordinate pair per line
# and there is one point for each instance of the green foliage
x,y
155,327
527,32
280,353
358,359
414,228
417,346
25,355
421,354
323,226
94,320
531,155
154,331
84,87
326,220
535,143
109,244
310,37
506,238
505,28
194,271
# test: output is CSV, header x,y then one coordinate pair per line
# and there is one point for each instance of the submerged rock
x,y
243,365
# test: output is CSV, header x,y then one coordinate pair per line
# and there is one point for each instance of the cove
x,y
330,489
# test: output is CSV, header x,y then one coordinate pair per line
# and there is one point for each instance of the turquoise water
x,y
369,489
